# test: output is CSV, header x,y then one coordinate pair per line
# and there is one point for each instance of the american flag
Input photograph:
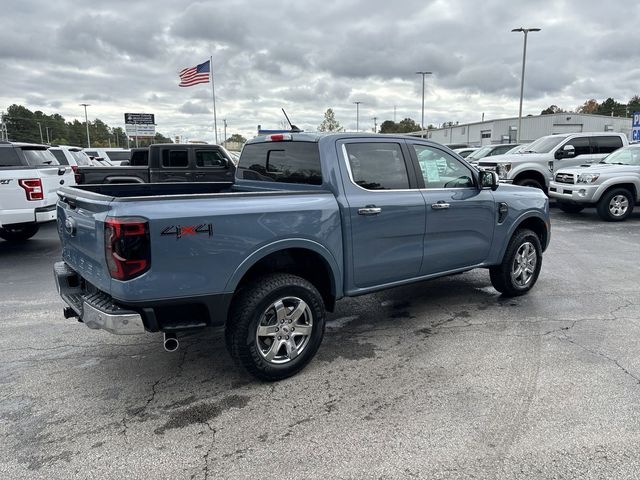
x,y
194,75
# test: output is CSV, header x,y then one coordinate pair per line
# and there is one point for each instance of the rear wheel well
x,y
297,261
538,226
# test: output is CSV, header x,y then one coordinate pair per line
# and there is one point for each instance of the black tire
x,y
19,234
530,182
502,276
570,208
611,206
256,305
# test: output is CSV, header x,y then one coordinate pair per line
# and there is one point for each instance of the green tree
x,y
408,125
236,137
633,105
388,126
611,107
330,124
551,110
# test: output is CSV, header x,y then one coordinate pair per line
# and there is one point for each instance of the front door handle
x,y
440,205
369,210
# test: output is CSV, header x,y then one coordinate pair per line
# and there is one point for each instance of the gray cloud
x,y
306,57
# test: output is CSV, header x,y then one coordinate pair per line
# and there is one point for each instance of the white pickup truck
x,y
30,176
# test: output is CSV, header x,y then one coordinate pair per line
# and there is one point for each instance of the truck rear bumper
x,y
43,214
97,310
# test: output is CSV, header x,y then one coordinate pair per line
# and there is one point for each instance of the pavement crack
x,y
209,450
601,354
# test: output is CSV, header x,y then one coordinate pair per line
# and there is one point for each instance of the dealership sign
x,y
635,132
140,124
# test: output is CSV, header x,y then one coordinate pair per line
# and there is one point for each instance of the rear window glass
x,y
175,159
286,162
9,157
91,153
59,154
378,166
140,158
80,157
118,156
38,157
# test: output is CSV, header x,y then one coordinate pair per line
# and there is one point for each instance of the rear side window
x,y
91,153
606,144
9,157
287,162
210,159
59,154
378,166
80,157
140,158
175,159
39,157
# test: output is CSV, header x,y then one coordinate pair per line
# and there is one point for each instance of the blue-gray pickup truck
x,y
310,218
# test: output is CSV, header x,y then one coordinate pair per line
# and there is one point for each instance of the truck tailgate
x,y
81,230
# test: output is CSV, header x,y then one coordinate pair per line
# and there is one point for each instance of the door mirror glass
x,y
569,150
488,180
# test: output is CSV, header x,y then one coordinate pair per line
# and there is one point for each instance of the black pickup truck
x,y
166,162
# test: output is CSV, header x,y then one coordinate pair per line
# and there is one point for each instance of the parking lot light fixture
x,y
357,116
524,58
422,120
86,122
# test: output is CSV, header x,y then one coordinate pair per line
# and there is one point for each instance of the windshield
x,y
624,156
37,158
518,149
81,158
480,153
544,144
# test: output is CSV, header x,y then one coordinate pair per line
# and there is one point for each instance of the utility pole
x,y
47,130
40,128
424,74
357,116
375,124
86,122
394,113
524,59
224,142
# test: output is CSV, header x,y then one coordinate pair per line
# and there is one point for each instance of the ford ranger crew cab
x,y
310,219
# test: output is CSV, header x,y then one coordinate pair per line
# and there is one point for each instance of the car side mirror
x,y
567,151
488,180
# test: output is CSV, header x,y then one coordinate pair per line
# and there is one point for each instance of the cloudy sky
x,y
124,56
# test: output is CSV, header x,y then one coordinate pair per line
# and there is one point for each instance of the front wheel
x,y
19,234
276,326
520,267
616,205
570,207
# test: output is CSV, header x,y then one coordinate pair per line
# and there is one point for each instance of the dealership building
x,y
505,130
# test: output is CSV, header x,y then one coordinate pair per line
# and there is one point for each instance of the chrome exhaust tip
x,y
171,343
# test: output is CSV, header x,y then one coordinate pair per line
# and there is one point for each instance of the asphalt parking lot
x,y
443,379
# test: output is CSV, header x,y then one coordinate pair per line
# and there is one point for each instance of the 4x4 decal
x,y
180,231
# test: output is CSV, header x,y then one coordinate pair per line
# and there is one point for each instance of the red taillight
x,y
127,250
74,168
33,188
76,174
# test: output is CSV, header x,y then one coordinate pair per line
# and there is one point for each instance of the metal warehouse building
x,y
533,127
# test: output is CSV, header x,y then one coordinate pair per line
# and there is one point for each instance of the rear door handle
x,y
440,206
369,211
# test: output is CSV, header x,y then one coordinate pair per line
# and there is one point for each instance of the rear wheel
x,y
570,208
276,326
19,234
616,205
520,267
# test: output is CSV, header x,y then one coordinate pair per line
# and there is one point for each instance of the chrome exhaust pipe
x,y
171,343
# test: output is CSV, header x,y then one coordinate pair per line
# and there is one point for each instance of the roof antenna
x,y
294,129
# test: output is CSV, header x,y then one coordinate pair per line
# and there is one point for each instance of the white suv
x,y
534,167
29,178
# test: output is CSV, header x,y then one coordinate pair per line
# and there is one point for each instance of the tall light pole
x,y
40,128
47,130
375,124
524,58
86,122
357,116
424,74
224,141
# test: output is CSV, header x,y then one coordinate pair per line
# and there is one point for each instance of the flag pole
x,y
213,95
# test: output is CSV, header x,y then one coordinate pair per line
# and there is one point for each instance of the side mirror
x,y
567,151
488,180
